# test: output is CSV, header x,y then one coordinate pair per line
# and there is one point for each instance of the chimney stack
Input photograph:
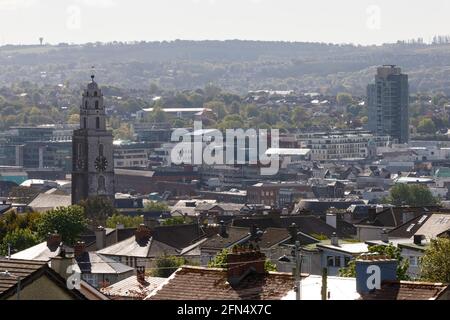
x,y
140,275
372,270
418,239
143,234
100,238
79,249
331,219
334,240
384,236
293,232
253,231
61,263
372,212
53,241
242,261
222,229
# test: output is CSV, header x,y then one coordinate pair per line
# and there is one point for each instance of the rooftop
x,y
198,283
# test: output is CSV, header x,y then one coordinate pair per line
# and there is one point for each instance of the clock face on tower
x,y
101,163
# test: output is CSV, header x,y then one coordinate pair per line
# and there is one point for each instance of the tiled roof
x,y
197,283
406,290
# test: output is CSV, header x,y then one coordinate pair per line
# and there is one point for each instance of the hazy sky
x,y
338,21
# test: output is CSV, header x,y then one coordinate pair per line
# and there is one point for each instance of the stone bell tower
x,y
92,149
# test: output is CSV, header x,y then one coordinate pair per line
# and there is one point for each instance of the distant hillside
x,y
236,66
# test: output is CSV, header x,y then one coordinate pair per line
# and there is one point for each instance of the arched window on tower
x,y
84,122
97,122
101,187
100,150
96,104
86,104
95,93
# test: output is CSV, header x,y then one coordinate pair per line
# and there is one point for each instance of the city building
x,y
352,144
388,103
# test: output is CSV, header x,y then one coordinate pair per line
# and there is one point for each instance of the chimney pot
x,y
384,235
223,229
140,275
334,240
79,248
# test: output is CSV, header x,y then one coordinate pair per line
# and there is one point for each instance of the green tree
x,y
426,126
127,221
391,252
97,210
158,115
156,206
435,264
175,221
11,220
411,194
344,99
19,239
167,265
69,222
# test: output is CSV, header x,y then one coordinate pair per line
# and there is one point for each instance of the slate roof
x,y
186,234
407,290
130,287
198,283
28,272
305,224
39,252
272,237
92,262
409,229
45,202
131,248
234,235
393,217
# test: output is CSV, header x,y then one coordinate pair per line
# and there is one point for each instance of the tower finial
x,y
93,73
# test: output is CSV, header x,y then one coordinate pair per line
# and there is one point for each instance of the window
x,y
413,261
330,261
100,150
101,183
95,93
84,123
346,261
97,123
86,104
96,104
90,278
337,261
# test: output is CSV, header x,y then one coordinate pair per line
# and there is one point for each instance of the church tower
x,y
92,150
